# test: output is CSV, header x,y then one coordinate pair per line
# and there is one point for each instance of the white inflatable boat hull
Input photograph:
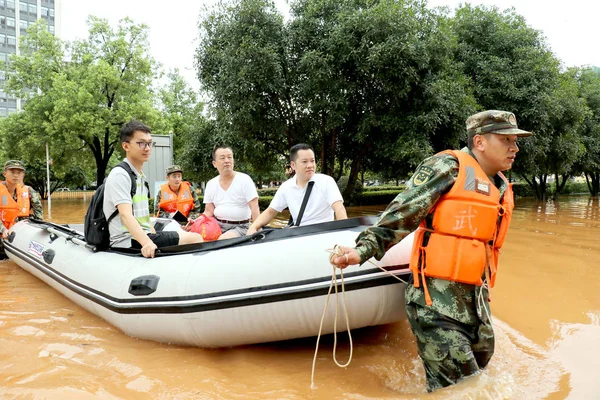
x,y
267,290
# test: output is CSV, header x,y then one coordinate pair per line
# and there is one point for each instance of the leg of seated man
x,y
233,230
189,237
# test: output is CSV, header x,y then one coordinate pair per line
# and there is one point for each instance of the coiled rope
x,y
338,252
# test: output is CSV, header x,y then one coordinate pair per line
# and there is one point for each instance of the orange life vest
x,y
171,202
10,209
468,229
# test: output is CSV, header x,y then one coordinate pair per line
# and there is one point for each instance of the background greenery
x,y
375,86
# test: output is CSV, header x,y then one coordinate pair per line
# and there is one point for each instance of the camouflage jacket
x,y
36,210
432,179
194,213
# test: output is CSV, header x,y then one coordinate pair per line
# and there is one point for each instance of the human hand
x,y
149,249
252,230
344,256
188,226
5,234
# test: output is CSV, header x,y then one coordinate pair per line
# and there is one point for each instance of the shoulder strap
x,y
304,201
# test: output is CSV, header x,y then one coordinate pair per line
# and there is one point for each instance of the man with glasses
x,y
17,202
133,228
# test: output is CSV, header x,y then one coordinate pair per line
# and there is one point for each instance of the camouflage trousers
x,y
450,350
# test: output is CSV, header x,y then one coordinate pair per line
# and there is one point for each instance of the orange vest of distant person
x,y
10,209
468,229
171,202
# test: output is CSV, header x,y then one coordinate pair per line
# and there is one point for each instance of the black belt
x,y
224,221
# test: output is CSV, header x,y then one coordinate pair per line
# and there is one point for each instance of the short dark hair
x,y
217,147
470,142
296,148
129,129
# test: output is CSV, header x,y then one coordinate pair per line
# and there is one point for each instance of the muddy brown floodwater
x,y
546,308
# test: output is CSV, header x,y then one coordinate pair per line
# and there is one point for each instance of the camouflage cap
x,y
14,164
173,168
494,121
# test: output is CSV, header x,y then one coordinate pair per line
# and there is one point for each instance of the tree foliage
x,y
80,93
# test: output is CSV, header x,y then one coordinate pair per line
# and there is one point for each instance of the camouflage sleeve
x,y
434,177
197,210
36,210
158,212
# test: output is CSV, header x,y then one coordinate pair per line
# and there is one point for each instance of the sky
x,y
571,29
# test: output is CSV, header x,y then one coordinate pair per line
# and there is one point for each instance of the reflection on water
x,y
545,305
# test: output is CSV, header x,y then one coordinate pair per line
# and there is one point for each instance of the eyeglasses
x,y
145,145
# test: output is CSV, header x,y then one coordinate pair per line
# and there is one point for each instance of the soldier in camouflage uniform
x,y
454,334
14,170
175,171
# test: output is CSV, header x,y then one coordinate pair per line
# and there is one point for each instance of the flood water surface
x,y
546,308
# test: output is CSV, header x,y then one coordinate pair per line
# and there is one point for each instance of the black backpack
x,y
95,226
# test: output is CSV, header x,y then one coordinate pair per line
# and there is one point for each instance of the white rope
x,y
337,251
481,302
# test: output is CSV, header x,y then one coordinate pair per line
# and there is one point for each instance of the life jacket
x,y
10,209
171,202
468,229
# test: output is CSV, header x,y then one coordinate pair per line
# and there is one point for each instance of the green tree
x,y
181,111
589,164
511,68
79,105
361,81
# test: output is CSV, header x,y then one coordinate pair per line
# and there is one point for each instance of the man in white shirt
x,y
325,199
230,197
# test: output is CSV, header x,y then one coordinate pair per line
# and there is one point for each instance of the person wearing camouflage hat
x,y
18,201
176,195
452,202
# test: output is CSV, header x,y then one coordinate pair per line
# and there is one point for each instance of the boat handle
x,y
144,285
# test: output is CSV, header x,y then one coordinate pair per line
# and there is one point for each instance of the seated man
x,y
133,228
325,199
230,197
18,202
176,195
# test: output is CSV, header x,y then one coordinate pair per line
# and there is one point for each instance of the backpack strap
x,y
133,177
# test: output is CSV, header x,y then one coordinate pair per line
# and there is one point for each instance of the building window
x,y
2,4
3,112
32,9
12,110
3,57
22,6
10,4
10,22
51,29
2,39
23,25
44,11
51,12
11,40
2,21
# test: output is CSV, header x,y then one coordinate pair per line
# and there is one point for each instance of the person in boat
x,y
231,197
177,195
133,228
324,202
18,201
460,205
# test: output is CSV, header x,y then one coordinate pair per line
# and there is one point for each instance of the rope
x,y
337,251
481,302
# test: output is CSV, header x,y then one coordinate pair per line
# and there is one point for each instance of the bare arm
x,y
253,204
209,209
262,220
339,210
133,226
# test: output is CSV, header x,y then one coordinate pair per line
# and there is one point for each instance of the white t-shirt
x,y
231,204
324,193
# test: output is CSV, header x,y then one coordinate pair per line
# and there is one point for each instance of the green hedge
x,y
383,188
375,198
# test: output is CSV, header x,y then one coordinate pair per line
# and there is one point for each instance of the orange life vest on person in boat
x,y
10,209
468,229
171,202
